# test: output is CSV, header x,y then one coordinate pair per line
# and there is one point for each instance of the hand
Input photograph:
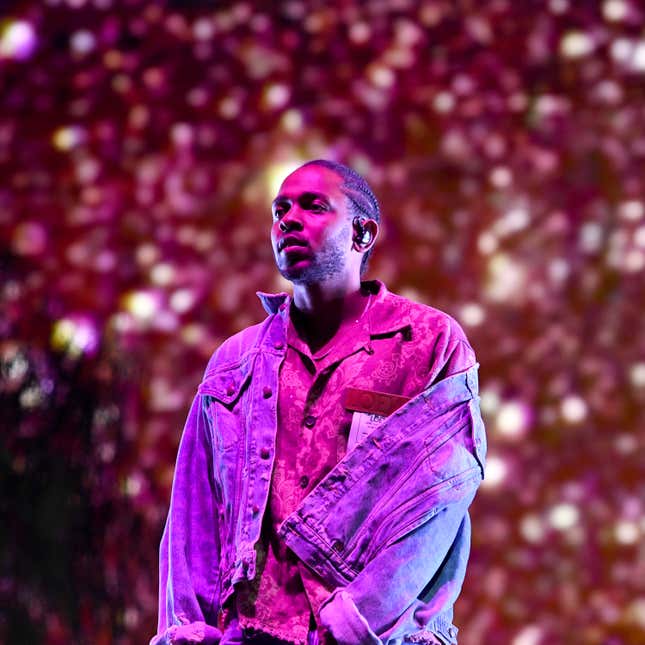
x,y
325,637
198,632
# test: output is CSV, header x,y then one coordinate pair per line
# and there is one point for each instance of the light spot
x,y
621,50
576,44
203,29
277,173
529,635
636,611
631,210
229,107
443,102
292,121
17,40
68,137
634,261
183,300
532,528
75,334
489,401
500,177
637,374
381,76
147,253
182,135
162,274
513,419
591,237
276,96
31,397
564,516
558,270
133,485
496,472
487,243
472,314
143,305
573,408
505,278
639,236
194,334
638,58
626,444
82,42
131,617
626,532
559,6
615,10
359,33
30,239
630,53
513,221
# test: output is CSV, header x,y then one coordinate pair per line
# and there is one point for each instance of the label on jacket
x,y
370,408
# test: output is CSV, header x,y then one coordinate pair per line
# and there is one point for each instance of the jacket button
x,y
267,392
304,481
310,421
265,453
278,344
255,509
230,390
337,546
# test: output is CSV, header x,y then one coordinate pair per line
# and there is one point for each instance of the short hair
x,y
361,198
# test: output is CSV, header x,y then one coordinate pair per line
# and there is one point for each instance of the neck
x,y
321,309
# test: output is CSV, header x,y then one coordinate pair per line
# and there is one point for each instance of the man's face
x,y
311,233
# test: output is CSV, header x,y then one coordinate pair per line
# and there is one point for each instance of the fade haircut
x,y
361,198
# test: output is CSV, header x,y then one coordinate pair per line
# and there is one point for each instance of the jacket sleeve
x,y
427,568
189,550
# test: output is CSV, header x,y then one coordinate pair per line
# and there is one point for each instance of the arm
x,y
189,551
424,570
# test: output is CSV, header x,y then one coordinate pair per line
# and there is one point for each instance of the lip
x,y
291,243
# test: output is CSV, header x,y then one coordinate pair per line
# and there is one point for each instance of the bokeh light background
x,y
140,146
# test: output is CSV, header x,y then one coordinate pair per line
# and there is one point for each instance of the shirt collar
x,y
386,314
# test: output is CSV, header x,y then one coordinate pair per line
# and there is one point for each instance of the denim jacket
x,y
388,527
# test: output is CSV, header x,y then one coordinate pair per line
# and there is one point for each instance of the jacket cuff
x,y
340,616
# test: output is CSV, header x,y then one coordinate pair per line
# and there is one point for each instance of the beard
x,y
329,262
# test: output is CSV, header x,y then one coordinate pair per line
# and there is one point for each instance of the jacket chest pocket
x,y
227,404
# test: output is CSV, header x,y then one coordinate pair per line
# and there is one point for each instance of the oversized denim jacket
x,y
388,527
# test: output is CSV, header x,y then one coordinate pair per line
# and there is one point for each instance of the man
x,y
330,455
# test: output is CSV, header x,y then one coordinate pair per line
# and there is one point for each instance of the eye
x,y
280,209
318,207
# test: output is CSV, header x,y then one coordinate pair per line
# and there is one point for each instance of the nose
x,y
291,220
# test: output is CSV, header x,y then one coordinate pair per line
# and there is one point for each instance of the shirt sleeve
x,y
189,550
451,352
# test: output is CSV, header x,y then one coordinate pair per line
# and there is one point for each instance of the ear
x,y
365,238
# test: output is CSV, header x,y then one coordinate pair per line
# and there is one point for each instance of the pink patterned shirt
x,y
396,347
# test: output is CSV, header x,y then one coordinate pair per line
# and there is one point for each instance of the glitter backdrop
x,y
140,146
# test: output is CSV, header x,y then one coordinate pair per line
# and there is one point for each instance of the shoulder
x,y
238,347
425,319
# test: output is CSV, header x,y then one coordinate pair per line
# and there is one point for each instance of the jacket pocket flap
x,y
224,385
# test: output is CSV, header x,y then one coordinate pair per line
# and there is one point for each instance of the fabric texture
x,y
393,506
